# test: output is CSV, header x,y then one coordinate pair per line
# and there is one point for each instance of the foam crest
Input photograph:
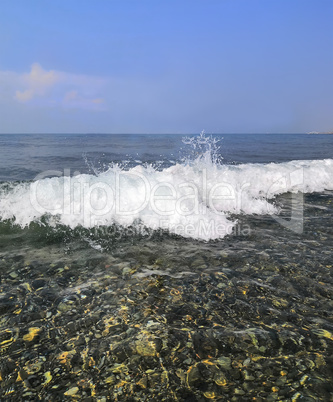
x,y
194,200
202,150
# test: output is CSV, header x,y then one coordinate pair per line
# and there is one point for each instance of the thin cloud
x,y
38,82
24,96
98,101
42,87
73,99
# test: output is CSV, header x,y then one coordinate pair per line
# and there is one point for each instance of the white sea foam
x,y
194,200
197,198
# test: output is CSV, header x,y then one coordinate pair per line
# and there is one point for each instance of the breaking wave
x,y
197,198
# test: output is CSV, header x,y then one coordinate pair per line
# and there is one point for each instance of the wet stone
x,y
38,284
240,327
72,391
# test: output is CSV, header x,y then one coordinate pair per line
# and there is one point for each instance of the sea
x,y
140,267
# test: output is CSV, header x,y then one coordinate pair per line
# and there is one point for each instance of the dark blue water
x,y
23,156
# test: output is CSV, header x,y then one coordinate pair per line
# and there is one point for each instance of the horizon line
x,y
166,133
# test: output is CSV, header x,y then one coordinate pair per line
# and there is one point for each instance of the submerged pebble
x,y
218,321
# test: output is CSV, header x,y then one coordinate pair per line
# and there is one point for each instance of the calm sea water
x,y
23,156
162,268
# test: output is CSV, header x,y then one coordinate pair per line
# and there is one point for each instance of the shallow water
x,y
109,314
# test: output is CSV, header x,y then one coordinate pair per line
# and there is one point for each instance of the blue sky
x,y
148,66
